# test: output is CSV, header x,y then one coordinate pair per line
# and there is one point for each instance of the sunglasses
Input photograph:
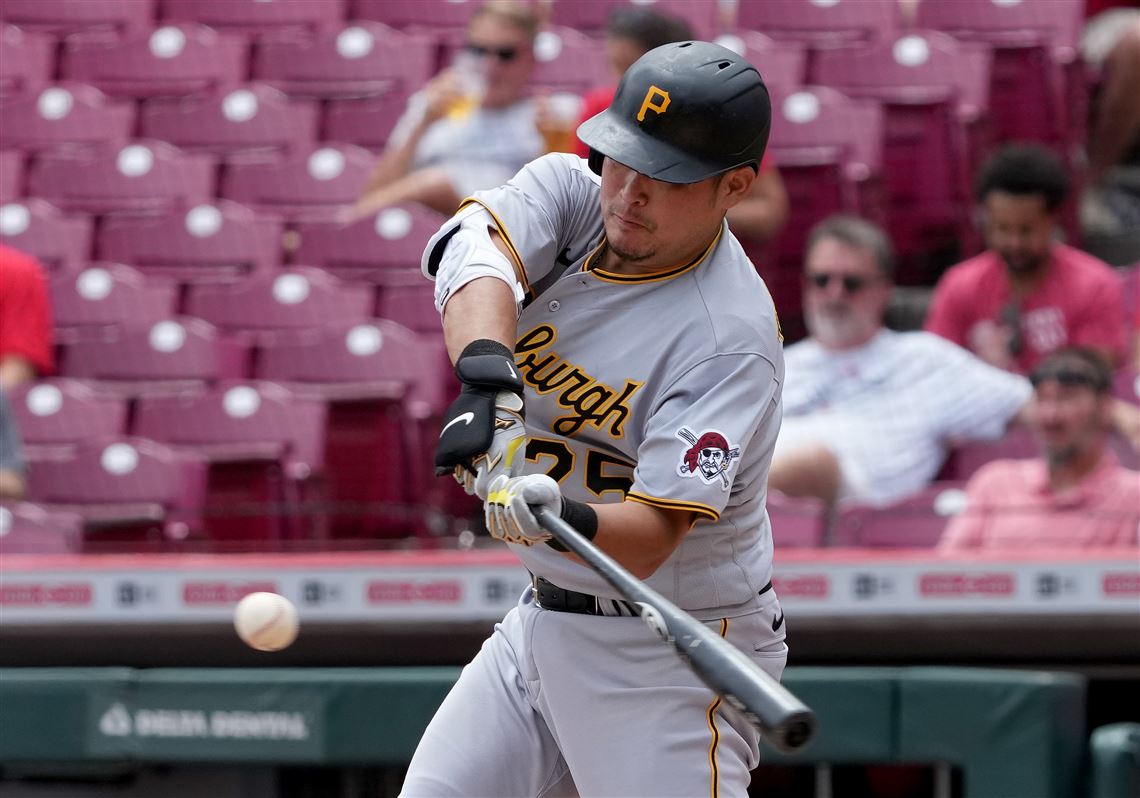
x,y
851,283
504,54
1068,377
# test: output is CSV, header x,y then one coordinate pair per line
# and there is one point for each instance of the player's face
x,y
1070,420
845,294
507,58
1019,229
651,224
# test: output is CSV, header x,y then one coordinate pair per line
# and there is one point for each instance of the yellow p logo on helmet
x,y
655,100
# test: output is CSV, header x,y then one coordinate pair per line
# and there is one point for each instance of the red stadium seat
x,y
315,183
796,523
105,294
1038,87
209,242
55,415
65,115
365,59
264,445
256,16
966,458
407,298
170,356
569,61
917,522
131,493
432,14
58,241
11,175
174,60
782,64
27,528
26,61
65,17
820,24
142,176
250,120
369,248
365,122
591,15
935,91
296,298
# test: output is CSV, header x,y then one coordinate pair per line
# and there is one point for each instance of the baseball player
x,y
621,366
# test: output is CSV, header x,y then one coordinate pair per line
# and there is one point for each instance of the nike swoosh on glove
x,y
507,507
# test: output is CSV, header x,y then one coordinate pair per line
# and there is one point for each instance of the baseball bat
x,y
781,718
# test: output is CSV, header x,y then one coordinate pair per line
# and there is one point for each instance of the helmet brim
x,y
624,142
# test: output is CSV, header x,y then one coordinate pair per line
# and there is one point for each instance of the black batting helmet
x,y
683,112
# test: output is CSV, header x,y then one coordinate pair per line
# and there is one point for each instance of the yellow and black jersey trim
x,y
520,268
675,504
714,742
658,276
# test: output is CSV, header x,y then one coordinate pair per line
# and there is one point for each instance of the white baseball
x,y
266,621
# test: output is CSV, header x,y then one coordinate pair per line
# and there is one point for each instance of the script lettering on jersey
x,y
590,401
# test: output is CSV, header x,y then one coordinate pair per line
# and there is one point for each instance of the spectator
x,y
1078,494
472,126
633,31
870,413
12,484
1027,295
25,320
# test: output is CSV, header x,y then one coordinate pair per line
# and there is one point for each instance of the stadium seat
x,y
365,122
11,175
64,115
567,60
916,522
370,248
256,17
174,60
796,523
132,493
966,458
173,355
314,183
783,64
65,17
364,59
407,298
55,415
250,120
264,447
821,25
296,298
430,15
386,390
142,176
208,243
26,61
590,16
1038,86
935,91
106,294
58,241
27,528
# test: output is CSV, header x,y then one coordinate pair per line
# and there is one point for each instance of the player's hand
x,y
507,453
507,507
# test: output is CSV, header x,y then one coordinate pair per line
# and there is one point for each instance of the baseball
x,y
266,621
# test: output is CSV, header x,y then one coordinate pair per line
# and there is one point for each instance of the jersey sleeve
x,y
551,203
705,425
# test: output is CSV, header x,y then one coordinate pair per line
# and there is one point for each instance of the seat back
x,y
820,24
392,238
256,17
592,15
107,294
63,411
27,528
65,17
917,522
314,182
782,64
65,115
58,241
26,61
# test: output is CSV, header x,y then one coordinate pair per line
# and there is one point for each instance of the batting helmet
x,y
682,113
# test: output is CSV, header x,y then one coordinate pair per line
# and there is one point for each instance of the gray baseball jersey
x,y
662,389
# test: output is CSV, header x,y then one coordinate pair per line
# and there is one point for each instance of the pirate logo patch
x,y
709,455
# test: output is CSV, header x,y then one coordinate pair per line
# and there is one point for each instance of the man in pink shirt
x,y
1027,295
1078,495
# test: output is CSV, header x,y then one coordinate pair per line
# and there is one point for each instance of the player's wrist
x,y
488,365
579,515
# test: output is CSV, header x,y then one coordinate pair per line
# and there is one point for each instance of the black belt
x,y
550,596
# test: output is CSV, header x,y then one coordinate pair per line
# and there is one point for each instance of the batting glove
x,y
509,517
483,434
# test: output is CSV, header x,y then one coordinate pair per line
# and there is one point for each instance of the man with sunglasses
x,y
473,125
1078,495
622,367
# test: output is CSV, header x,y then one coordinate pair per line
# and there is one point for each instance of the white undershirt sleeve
x,y
468,253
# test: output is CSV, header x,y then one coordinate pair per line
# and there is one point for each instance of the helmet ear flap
x,y
595,161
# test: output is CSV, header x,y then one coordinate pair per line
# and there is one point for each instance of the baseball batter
x,y
621,365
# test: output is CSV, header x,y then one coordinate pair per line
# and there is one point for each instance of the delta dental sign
x,y
195,723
